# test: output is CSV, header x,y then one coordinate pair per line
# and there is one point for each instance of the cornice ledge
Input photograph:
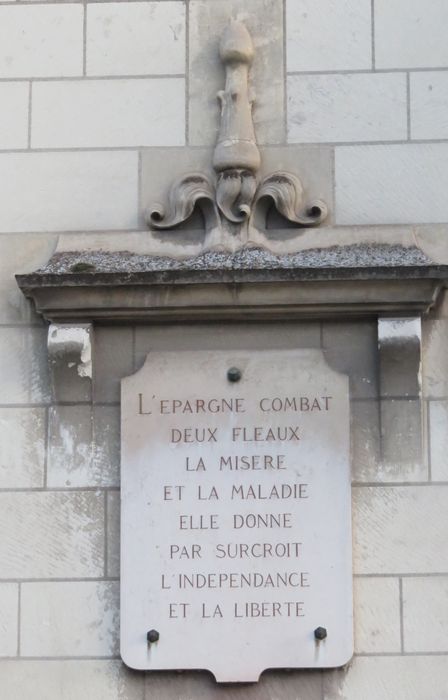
x,y
252,284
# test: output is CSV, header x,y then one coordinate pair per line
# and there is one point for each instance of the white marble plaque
x,y
236,525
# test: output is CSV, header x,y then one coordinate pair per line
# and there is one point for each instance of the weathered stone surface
x,y
352,348
70,432
41,40
221,336
51,627
438,439
14,115
429,97
366,443
83,446
135,38
403,457
284,685
70,680
392,184
400,529
420,28
22,440
109,113
383,678
15,257
51,535
69,349
23,368
399,344
91,190
113,534
113,361
425,614
328,36
344,108
9,615
377,615
435,365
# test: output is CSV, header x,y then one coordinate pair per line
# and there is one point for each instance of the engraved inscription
x,y
235,510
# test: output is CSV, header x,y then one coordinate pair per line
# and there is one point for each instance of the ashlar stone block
x,y
9,615
402,440
386,677
328,35
113,534
23,365
410,34
135,38
438,440
51,534
377,615
49,626
113,360
22,454
14,99
109,113
220,336
425,614
70,680
77,190
365,440
400,529
356,107
429,103
83,446
391,184
284,685
41,41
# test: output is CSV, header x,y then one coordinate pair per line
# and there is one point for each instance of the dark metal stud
x,y
152,636
320,633
234,374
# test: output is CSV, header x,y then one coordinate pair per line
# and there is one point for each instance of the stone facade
x,y
87,91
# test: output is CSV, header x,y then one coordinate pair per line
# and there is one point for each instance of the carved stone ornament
x,y
235,206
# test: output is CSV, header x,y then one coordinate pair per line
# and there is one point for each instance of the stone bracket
x,y
70,360
402,409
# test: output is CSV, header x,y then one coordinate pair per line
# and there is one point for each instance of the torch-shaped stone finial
x,y
235,206
236,146
236,158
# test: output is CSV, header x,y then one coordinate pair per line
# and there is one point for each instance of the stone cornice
x,y
68,290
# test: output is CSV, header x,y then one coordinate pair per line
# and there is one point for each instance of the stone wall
x,y
86,90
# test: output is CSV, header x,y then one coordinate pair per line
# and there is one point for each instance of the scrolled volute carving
x,y
235,205
186,193
284,191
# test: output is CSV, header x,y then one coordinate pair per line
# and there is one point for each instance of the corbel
x,y
402,409
70,360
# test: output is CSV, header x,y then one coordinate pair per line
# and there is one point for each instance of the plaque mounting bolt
x,y
152,636
320,633
234,374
